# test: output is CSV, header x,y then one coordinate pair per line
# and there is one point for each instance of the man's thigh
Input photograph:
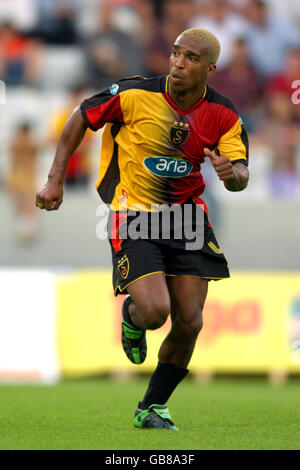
x,y
188,295
150,295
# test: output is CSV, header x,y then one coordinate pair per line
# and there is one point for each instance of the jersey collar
x,y
174,105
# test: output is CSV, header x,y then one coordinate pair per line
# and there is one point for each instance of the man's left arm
x,y
230,160
234,175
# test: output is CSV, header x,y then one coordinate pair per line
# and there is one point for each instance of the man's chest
x,y
162,131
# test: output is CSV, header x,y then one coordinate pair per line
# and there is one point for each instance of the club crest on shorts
x,y
179,133
123,267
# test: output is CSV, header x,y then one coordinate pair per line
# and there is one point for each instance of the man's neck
x,y
185,99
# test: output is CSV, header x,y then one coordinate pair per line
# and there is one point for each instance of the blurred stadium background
x,y
58,316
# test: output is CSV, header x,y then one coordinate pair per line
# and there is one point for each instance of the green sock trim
x,y
161,410
139,418
130,332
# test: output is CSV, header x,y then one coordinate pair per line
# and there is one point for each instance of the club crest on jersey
x,y
123,267
169,167
114,89
179,133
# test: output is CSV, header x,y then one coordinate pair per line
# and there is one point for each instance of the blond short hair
x,y
201,34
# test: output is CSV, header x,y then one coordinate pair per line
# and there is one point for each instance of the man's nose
x,y
179,62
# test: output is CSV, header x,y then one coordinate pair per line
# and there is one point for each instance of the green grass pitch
x,y
97,414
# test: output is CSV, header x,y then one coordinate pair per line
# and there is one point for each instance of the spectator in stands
x,y
269,38
239,6
281,134
219,18
22,180
79,168
176,16
21,13
110,53
178,11
285,178
125,16
57,21
19,57
282,82
241,83
289,9
148,21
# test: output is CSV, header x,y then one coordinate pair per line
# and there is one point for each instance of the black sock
x,y
162,384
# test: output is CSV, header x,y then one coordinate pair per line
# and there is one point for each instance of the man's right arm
x,y
51,196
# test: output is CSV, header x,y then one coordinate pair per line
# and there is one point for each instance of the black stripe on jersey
x,y
154,84
244,138
84,117
107,187
212,96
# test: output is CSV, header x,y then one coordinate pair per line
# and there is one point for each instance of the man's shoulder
x,y
154,84
214,97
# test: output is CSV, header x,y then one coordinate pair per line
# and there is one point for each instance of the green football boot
x,y
154,417
133,338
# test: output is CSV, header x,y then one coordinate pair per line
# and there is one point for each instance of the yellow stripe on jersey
x,y
231,144
139,139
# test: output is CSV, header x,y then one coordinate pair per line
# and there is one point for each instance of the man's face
x,y
189,64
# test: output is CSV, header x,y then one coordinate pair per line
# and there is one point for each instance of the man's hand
x,y
235,177
222,165
50,197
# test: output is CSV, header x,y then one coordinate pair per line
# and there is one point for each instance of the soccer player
x,y
158,133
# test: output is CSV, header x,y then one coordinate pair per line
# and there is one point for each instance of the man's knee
x,y
190,329
155,314
196,326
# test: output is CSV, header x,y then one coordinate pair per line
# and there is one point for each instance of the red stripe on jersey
x,y
204,115
117,219
107,112
212,120
200,201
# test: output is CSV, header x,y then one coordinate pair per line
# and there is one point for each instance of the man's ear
x,y
211,69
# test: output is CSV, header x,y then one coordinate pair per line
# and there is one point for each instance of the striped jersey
x,y
152,150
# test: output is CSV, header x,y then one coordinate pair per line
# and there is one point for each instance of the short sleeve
x,y
102,108
234,144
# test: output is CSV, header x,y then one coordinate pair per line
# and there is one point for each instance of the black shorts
x,y
168,254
